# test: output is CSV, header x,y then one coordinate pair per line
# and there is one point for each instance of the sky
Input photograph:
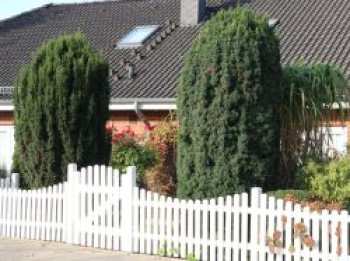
x,y
9,8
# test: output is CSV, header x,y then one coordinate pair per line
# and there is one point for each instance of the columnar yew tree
x,y
228,107
61,106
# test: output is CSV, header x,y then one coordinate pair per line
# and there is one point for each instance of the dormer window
x,y
137,36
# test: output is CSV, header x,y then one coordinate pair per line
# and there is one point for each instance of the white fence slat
x,y
297,241
116,210
8,212
220,232
103,199
176,224
212,225
83,203
110,188
24,215
289,229
183,229
136,222
89,211
228,228
169,226
54,213
306,218
254,222
244,227
315,228
142,231
38,222
155,223
236,226
334,239
19,213
162,221
205,229
60,211
149,231
190,227
325,234
29,214
2,222
96,178
197,229
49,214
262,229
271,225
344,235
279,228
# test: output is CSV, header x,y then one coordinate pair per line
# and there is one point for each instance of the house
x,y
145,42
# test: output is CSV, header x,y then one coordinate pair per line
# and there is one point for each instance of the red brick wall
x,y
6,118
122,119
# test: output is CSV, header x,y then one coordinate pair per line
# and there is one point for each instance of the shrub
x,y
328,180
128,151
162,178
300,195
61,107
227,103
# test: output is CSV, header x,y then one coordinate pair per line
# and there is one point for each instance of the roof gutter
x,y
137,105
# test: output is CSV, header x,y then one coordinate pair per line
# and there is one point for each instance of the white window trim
x,y
10,130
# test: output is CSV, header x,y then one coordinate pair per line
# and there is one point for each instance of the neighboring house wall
x,y
121,119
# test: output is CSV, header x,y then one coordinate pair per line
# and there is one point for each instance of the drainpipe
x,y
139,113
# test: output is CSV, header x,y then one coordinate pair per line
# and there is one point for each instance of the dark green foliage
x,y
228,107
300,195
61,107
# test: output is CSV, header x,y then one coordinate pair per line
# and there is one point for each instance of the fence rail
x,y
98,207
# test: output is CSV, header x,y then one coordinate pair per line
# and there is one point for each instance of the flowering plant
x,y
128,151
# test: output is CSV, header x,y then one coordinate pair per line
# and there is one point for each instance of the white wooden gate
x,y
95,196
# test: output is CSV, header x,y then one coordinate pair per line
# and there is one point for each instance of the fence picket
x,y
109,239
183,229
228,228
142,231
169,226
212,226
236,226
197,229
177,226
289,229
271,226
136,217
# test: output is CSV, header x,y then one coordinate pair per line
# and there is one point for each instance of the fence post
x,y
15,180
72,168
255,221
127,188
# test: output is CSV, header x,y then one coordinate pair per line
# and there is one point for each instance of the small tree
x,y
309,94
61,106
228,107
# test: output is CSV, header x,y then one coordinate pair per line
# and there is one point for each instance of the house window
x,y
6,149
137,36
335,141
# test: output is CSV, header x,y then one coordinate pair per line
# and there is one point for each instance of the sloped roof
x,y
104,23
311,30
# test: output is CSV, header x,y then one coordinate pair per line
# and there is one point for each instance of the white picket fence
x,y
10,182
98,207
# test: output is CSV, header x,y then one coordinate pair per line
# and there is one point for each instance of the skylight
x,y
137,36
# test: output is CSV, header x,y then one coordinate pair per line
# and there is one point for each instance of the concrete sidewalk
x,y
18,250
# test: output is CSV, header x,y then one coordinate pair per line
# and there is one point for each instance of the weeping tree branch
x,y
309,94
